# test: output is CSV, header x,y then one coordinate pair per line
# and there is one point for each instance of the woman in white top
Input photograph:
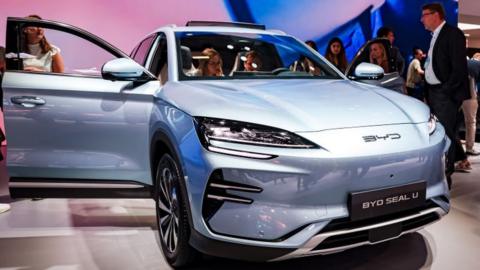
x,y
45,56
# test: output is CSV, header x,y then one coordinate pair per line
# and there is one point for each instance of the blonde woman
x,y
378,56
211,65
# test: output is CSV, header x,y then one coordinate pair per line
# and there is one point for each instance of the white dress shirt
x,y
430,76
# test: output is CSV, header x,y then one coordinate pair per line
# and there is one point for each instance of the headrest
x,y
239,60
186,57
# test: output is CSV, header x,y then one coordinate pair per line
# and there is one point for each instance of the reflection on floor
x,y
120,234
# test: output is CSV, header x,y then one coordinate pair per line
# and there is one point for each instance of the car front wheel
x,y
172,219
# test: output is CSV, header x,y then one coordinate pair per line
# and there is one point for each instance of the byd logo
x,y
374,138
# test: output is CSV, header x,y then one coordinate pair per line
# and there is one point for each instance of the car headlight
x,y
210,129
432,124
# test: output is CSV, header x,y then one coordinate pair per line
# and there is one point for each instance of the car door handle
x,y
28,101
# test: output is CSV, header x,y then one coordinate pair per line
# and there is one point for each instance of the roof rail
x,y
277,31
227,24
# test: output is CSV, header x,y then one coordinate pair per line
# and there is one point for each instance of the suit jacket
x,y
399,60
449,62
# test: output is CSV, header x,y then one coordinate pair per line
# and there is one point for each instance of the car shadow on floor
x,y
412,251
101,213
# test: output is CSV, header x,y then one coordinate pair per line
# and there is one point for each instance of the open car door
x,y
64,128
391,78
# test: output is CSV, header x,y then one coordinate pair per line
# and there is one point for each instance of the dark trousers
x,y
416,92
447,111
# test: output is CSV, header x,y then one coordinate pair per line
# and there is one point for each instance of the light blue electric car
x,y
279,156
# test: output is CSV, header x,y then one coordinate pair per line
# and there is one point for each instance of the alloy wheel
x,y
168,208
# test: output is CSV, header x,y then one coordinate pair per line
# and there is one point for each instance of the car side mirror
x,y
367,71
124,69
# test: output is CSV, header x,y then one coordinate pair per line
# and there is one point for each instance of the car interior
x,y
232,51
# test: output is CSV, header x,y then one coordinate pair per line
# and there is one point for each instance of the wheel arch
x,y
161,144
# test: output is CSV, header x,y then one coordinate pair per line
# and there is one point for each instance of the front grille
x,y
343,240
366,235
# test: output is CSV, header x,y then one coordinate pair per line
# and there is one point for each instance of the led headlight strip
x,y
214,129
239,153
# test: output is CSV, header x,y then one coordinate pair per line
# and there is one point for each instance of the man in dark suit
x,y
446,75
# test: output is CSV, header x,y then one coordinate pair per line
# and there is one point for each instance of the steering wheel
x,y
280,70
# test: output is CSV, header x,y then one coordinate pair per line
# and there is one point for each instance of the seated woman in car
x,y
252,61
211,64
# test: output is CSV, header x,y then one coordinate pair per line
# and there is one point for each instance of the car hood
x,y
299,105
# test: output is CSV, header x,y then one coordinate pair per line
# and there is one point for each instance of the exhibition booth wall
x,y
124,22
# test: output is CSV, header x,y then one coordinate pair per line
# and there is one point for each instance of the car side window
x,y
143,49
44,50
159,64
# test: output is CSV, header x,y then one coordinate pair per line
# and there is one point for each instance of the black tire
x,y
172,216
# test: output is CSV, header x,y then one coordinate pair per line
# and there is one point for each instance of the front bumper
x,y
335,237
305,190
331,241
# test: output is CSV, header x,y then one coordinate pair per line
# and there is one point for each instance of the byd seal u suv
x,y
288,159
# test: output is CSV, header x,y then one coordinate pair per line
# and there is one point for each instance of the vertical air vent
x,y
217,193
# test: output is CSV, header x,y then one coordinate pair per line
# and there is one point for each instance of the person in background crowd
x,y
446,75
378,56
304,64
252,61
312,45
46,57
462,164
476,56
212,65
335,53
387,32
470,107
415,73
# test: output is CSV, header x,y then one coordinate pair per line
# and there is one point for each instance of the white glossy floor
x,y
72,234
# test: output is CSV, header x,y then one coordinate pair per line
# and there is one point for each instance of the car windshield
x,y
224,56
